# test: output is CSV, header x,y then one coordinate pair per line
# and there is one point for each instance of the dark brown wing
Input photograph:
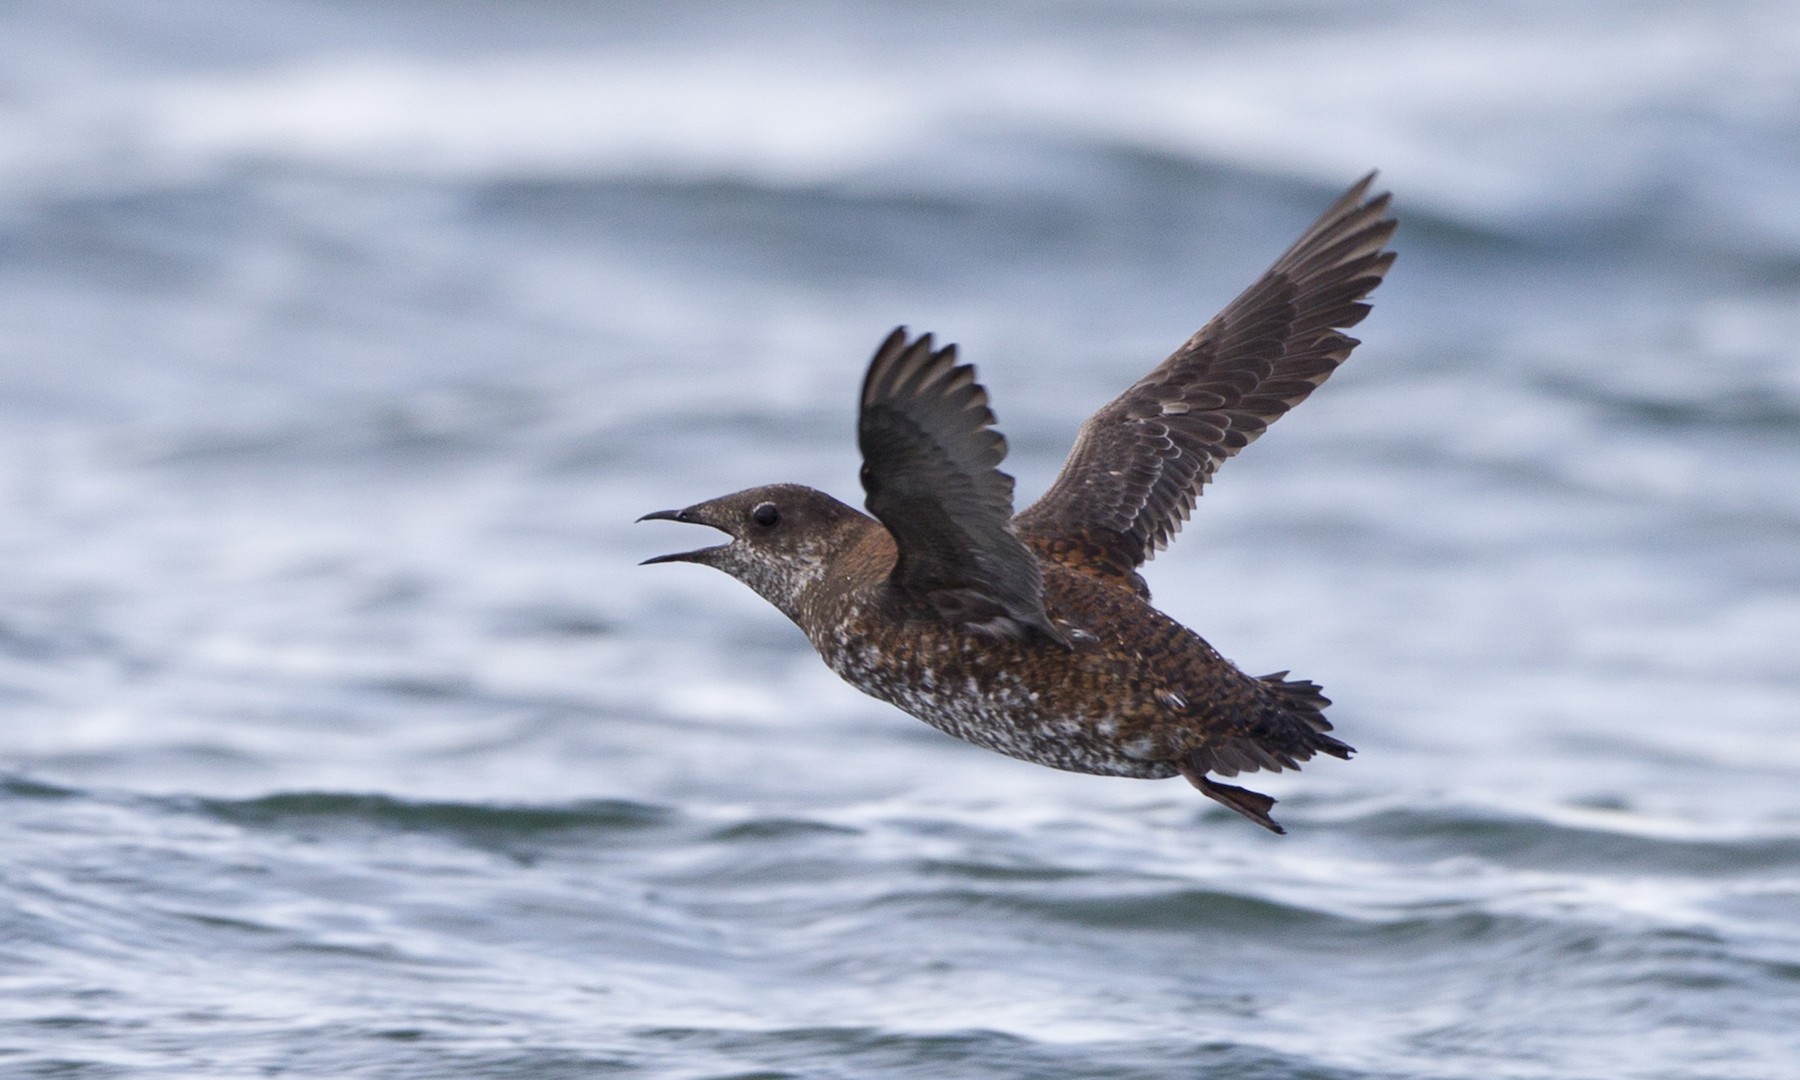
x,y
930,467
1139,463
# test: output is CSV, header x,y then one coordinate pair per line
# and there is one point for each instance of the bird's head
x,y
783,538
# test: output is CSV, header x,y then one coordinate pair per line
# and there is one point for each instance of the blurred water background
x,y
340,343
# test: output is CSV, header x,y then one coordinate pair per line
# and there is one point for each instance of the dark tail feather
x,y
1305,702
1252,804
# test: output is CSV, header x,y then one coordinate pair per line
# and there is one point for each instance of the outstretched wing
x,y
1139,463
930,467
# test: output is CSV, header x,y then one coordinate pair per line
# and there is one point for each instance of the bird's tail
x,y
1291,729
1305,703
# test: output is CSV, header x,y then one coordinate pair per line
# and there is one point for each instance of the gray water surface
x,y
342,736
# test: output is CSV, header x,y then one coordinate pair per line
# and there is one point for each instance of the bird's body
x,y
1033,635
1113,701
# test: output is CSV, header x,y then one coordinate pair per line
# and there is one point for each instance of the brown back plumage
x,y
1139,464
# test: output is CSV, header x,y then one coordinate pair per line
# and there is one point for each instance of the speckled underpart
x,y
982,692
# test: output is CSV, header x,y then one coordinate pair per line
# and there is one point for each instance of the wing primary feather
x,y
931,474
1139,463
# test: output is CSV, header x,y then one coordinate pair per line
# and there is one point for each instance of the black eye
x,y
765,514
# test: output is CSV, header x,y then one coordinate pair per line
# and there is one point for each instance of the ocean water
x,y
340,345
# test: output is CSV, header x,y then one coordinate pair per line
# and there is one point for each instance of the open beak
x,y
702,555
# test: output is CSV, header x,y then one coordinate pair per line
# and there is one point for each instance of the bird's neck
x,y
862,561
